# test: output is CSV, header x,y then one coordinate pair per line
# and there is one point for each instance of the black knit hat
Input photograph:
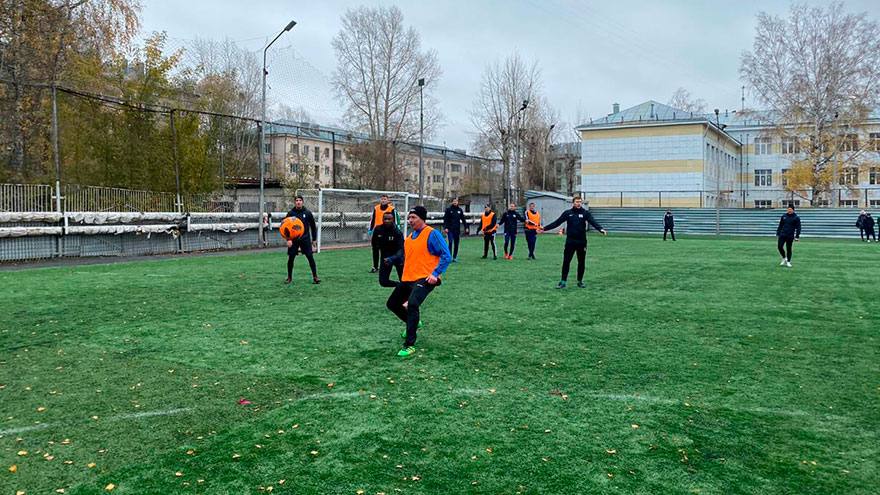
x,y
420,211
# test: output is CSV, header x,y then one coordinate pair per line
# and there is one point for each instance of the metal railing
x,y
757,197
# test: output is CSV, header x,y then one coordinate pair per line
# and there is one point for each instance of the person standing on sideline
x,y
425,258
453,219
533,223
788,231
575,220
305,243
668,225
509,221
390,241
376,219
860,223
488,226
868,225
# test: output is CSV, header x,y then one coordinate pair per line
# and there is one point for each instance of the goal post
x,y
343,215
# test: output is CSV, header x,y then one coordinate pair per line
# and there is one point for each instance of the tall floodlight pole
x,y
421,143
262,160
546,157
525,104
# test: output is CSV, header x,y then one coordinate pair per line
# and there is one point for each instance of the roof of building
x,y
531,194
655,112
343,136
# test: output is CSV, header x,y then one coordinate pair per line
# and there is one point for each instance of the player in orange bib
x,y
533,223
377,219
425,258
488,226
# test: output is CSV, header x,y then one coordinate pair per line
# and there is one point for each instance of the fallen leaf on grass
x,y
41,409
611,451
110,487
178,474
314,452
634,426
22,453
236,456
91,465
13,468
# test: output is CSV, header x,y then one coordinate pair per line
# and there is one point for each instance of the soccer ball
x,y
291,228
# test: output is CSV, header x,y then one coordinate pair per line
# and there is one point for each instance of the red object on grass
x,y
243,402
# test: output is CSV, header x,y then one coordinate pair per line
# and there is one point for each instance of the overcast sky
x,y
591,54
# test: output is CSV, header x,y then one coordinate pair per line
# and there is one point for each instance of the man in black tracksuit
x,y
389,240
576,220
788,231
304,243
668,225
860,223
509,222
868,225
453,219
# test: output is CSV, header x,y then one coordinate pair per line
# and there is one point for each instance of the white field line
x,y
120,417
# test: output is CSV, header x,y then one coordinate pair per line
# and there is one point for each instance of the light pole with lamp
x,y
421,144
262,160
517,137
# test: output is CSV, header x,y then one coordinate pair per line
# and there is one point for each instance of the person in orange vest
x,y
488,226
533,223
384,206
425,258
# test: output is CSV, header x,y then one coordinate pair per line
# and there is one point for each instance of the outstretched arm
x,y
556,223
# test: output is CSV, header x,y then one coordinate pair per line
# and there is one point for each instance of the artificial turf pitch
x,y
699,366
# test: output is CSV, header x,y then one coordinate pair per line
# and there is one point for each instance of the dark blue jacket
x,y
576,220
789,226
509,219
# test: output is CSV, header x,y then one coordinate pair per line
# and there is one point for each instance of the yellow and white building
x,y
654,155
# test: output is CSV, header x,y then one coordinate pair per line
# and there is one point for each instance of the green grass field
x,y
699,366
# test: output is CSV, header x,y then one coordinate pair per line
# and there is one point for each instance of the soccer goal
x,y
343,215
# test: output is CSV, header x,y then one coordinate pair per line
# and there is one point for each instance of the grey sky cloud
x,y
591,54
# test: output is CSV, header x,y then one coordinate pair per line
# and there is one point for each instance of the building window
x,y
305,150
790,146
762,145
763,177
317,153
849,176
291,148
455,167
326,171
438,165
267,148
763,203
874,176
875,203
849,203
823,202
438,178
326,152
784,174
850,143
294,167
874,139
337,154
793,202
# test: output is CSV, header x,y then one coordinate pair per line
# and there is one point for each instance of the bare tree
x,y
379,63
682,100
497,111
818,72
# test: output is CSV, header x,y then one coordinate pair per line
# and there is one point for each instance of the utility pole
x,y
546,157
